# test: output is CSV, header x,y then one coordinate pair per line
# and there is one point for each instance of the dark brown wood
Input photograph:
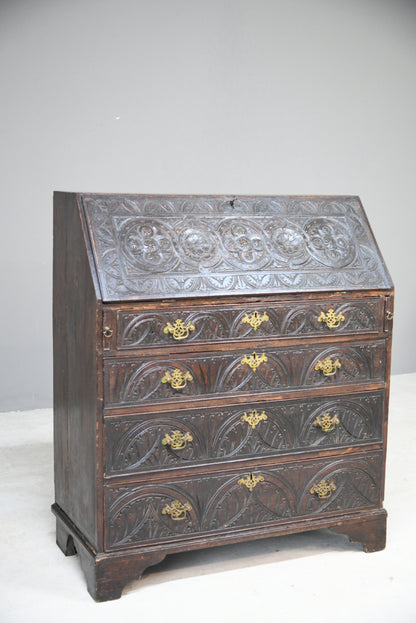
x,y
370,532
137,381
106,576
216,324
144,468
136,444
76,314
217,503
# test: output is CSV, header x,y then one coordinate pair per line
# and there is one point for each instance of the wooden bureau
x,y
221,373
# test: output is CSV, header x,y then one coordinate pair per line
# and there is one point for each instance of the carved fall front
x,y
159,246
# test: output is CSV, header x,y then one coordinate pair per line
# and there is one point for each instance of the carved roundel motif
x,y
244,243
198,245
287,243
329,243
148,245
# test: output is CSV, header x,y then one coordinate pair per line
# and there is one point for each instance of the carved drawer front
x,y
137,329
138,381
148,513
185,438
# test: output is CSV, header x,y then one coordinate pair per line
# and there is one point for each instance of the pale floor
x,y
307,577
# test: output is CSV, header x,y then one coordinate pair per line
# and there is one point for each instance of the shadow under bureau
x,y
221,373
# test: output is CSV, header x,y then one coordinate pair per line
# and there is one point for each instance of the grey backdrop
x,y
188,96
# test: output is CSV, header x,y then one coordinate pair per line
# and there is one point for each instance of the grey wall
x,y
188,96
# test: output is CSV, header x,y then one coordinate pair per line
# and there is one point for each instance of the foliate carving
x,y
137,515
158,246
140,445
148,245
142,329
355,420
157,512
136,381
354,485
304,318
288,243
329,242
217,324
226,433
350,364
235,505
244,244
198,245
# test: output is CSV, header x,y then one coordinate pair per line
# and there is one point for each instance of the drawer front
x,y
151,513
140,380
140,443
217,324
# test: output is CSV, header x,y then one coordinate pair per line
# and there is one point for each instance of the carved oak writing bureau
x,y
221,373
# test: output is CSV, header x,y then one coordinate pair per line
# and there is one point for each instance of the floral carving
x,y
198,245
329,242
288,243
134,382
244,243
148,245
220,434
183,246
140,514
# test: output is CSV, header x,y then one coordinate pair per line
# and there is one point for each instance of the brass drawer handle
x,y
327,366
251,481
177,441
323,489
331,319
107,332
179,330
255,320
176,510
177,380
253,361
326,422
254,418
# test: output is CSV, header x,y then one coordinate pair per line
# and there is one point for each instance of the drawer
x,y
212,324
137,381
183,438
163,511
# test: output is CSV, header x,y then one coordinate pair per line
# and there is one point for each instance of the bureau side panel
x,y
388,329
75,318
